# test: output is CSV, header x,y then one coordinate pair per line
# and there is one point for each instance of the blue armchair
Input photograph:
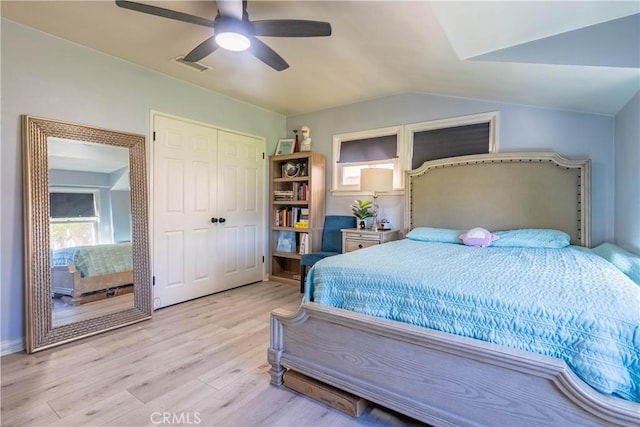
x,y
331,243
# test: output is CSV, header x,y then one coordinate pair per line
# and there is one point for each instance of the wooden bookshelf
x,y
296,194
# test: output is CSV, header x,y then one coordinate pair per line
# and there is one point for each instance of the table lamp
x,y
374,181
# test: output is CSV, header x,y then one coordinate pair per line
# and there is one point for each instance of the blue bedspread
x,y
566,303
96,260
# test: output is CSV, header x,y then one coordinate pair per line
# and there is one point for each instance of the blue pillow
x,y
442,235
626,262
532,238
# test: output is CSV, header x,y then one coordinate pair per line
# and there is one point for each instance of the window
x,y
354,151
73,219
406,147
449,142
458,136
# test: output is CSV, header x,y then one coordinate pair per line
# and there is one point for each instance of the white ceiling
x,y
575,55
81,156
66,154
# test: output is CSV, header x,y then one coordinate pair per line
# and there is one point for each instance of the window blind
x,y
368,149
72,205
449,142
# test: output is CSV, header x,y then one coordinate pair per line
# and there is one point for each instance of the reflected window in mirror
x,y
74,217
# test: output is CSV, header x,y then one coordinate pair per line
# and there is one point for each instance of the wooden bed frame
x,y
66,280
445,379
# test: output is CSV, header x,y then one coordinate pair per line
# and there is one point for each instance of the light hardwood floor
x,y
202,362
63,314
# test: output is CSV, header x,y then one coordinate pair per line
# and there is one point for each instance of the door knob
x,y
222,220
214,220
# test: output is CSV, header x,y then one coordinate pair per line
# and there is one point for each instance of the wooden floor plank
x,y
183,397
307,412
102,412
35,415
136,417
230,371
204,359
231,400
259,408
34,365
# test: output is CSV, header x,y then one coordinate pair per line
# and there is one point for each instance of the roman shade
x,y
368,149
72,205
450,142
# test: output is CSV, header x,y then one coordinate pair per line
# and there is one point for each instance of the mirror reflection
x,y
86,243
89,229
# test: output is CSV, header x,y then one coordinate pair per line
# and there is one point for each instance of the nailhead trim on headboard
x,y
583,184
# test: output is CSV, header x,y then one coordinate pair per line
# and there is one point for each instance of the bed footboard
x,y
66,280
438,378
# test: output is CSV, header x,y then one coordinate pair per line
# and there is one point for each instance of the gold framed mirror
x,y
95,181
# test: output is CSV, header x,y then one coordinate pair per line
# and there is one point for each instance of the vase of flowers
x,y
362,210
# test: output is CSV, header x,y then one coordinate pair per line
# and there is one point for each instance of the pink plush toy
x,y
478,237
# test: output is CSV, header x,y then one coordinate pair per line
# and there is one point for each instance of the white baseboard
x,y
11,346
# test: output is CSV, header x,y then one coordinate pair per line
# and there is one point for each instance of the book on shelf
x,y
292,216
300,190
303,218
280,217
304,244
304,214
283,195
286,242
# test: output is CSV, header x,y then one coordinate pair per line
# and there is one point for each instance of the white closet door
x,y
200,174
241,195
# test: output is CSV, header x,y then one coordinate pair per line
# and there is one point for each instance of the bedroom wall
x,y
521,128
49,77
627,176
120,208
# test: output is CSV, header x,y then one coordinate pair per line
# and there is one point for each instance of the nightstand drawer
x,y
362,236
354,245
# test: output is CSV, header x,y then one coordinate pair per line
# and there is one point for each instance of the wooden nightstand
x,y
354,238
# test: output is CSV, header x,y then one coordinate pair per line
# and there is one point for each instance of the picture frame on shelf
x,y
285,146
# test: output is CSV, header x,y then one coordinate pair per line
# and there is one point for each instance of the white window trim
x,y
404,146
410,129
398,172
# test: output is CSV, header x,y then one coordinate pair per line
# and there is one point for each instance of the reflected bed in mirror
x,y
86,233
90,229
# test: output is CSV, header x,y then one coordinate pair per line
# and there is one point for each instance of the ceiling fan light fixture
x,y
232,35
232,30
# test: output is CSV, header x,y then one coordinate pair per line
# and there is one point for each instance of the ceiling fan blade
x,y
267,55
232,8
291,28
204,49
165,13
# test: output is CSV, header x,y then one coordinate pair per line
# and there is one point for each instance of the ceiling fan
x,y
233,30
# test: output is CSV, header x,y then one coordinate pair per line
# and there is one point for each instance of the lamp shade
x,y
376,180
